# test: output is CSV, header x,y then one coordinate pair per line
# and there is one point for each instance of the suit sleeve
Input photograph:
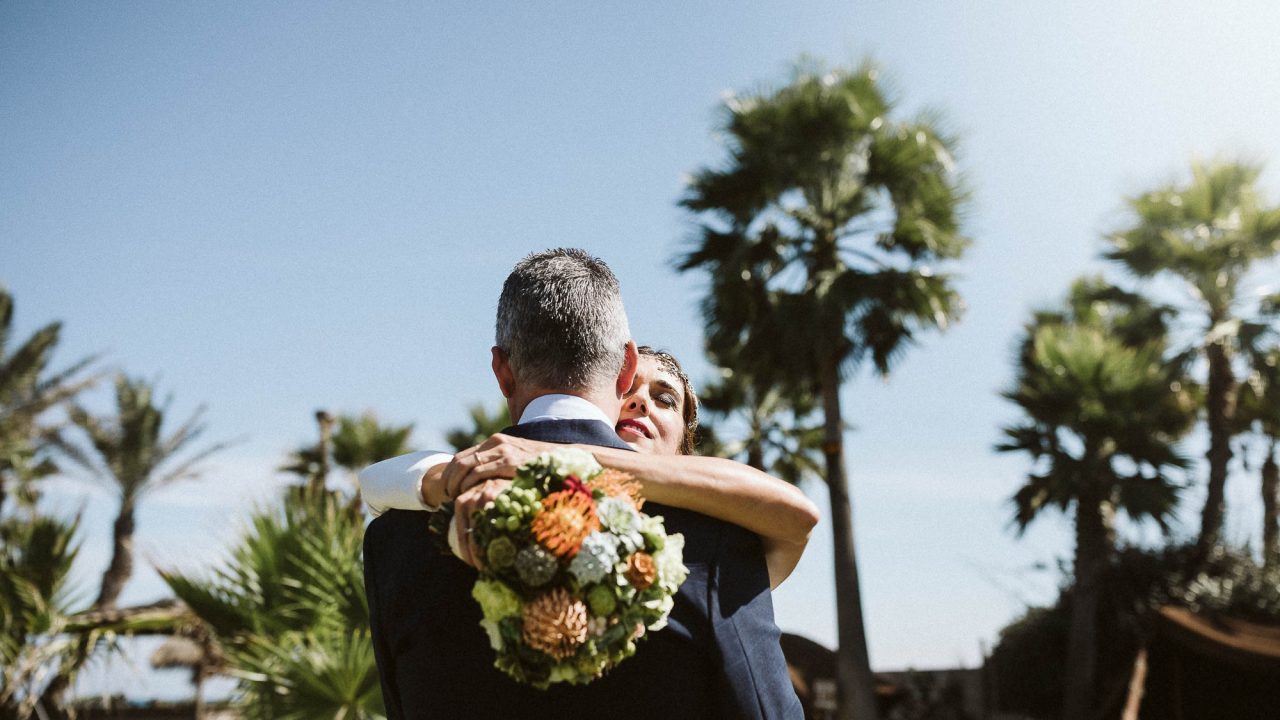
x,y
381,651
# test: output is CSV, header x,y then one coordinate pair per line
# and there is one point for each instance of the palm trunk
x,y
853,667
1082,648
325,421
121,567
198,680
1270,511
1220,406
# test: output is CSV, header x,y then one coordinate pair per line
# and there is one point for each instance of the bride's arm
x,y
724,489
405,482
727,490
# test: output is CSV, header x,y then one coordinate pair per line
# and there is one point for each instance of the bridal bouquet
x,y
574,573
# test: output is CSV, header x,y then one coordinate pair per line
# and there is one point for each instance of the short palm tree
x,y
28,390
777,434
359,441
132,454
362,440
483,424
1103,409
288,611
1259,407
821,234
1207,234
36,555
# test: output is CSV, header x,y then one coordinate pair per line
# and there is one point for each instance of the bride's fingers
x,y
499,468
457,469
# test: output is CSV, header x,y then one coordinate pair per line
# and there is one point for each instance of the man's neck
x,y
608,403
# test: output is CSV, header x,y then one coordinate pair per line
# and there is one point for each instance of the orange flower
x,y
567,518
641,572
555,623
616,483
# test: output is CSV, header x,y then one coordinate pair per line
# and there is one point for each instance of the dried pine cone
x,y
555,623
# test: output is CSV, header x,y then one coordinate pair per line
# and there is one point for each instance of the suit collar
x,y
586,432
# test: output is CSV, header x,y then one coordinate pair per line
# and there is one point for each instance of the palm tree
x,y
27,392
288,614
1259,406
36,555
483,424
820,235
135,457
359,441
362,441
777,437
1207,234
1103,410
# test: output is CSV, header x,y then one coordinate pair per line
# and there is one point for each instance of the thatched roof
x,y
1235,642
178,652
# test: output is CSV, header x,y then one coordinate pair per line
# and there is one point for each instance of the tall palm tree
x,y
28,390
1207,234
1103,408
134,456
820,233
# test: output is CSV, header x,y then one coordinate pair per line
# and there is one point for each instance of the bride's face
x,y
652,419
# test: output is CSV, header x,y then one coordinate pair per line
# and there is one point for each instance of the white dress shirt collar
x,y
562,407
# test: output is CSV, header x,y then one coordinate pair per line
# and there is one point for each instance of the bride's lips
x,y
634,426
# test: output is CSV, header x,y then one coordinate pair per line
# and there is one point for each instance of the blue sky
x,y
274,208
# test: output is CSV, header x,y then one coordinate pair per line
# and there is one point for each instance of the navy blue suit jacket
x,y
719,656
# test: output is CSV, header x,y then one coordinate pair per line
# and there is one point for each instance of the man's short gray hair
x,y
561,321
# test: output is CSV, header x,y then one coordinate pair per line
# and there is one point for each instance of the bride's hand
x,y
496,458
465,508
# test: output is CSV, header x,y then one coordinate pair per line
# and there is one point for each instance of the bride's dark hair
x,y
669,363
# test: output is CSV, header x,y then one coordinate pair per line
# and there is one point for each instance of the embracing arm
x,y
403,482
727,490
724,489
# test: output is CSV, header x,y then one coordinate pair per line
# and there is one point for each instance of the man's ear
x,y
502,371
630,364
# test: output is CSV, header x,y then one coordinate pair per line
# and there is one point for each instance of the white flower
x,y
663,607
670,563
572,461
596,557
619,516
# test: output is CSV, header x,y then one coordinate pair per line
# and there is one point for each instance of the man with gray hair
x,y
565,361
561,322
